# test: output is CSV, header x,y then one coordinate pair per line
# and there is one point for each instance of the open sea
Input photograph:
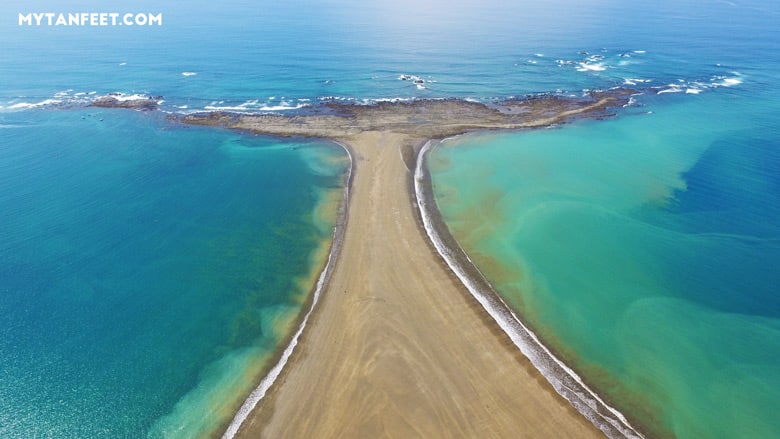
x,y
149,270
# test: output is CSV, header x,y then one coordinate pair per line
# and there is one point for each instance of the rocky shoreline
x,y
419,118
133,103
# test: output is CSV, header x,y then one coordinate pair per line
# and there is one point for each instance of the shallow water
x,y
642,249
148,271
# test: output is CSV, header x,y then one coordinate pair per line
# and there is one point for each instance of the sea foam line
x,y
613,423
29,105
265,384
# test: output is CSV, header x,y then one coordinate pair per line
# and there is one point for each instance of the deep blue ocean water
x,y
136,255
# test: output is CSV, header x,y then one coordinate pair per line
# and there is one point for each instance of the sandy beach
x,y
397,346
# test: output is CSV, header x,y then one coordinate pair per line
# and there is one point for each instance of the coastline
x,y
400,348
347,127
564,380
280,359
172,195
332,378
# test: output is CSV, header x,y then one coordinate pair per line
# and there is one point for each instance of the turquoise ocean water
x,y
142,264
147,273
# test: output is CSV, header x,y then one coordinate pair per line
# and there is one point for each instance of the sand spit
x,y
397,346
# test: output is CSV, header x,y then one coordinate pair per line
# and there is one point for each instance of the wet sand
x,y
397,347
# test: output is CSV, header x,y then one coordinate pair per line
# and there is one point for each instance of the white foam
x,y
189,73
640,51
697,87
588,67
260,391
672,88
281,107
587,403
723,81
391,100
335,98
30,105
635,81
121,97
254,105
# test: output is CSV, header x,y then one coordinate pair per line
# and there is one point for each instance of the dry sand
x,y
398,348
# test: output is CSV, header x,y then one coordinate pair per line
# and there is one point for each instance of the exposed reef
x,y
421,118
119,101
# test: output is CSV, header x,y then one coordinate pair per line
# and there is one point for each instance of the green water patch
x,y
640,249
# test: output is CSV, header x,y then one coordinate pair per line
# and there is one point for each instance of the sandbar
x,y
397,346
